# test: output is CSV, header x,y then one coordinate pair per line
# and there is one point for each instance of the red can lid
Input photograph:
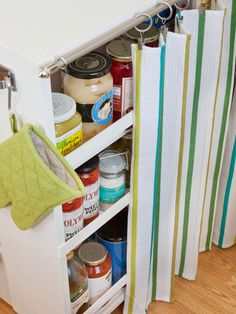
x,y
72,205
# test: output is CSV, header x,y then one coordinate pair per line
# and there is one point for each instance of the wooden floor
x,y
214,291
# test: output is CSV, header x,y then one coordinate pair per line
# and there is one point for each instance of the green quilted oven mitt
x,y
34,177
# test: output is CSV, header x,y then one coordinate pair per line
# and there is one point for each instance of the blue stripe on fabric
x,y
227,194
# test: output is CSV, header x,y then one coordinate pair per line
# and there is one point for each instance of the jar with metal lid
x,y
89,82
113,235
73,212
89,175
68,123
150,37
112,177
120,51
78,284
98,264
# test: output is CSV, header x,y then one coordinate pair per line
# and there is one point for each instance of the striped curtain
x,y
224,234
179,134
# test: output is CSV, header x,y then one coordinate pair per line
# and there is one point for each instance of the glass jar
x,y
78,284
89,82
89,175
113,235
98,264
150,37
120,51
112,178
73,212
68,123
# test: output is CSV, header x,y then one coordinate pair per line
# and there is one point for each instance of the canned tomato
x,y
98,264
121,70
89,175
113,235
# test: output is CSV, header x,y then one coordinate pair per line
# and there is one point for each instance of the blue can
x,y
113,235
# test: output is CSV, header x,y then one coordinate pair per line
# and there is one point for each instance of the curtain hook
x,y
180,9
142,31
162,18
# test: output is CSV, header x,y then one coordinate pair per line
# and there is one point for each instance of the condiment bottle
x,y
78,284
89,175
98,264
89,82
150,37
68,123
112,177
120,51
73,212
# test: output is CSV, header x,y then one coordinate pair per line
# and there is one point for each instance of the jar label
x,y
73,222
123,96
103,108
98,286
111,195
70,140
78,298
91,200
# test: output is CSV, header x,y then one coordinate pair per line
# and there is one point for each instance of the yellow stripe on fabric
x,y
212,130
135,184
180,162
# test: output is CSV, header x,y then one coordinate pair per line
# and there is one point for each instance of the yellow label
x,y
70,141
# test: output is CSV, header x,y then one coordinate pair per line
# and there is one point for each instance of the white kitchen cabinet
x,y
33,34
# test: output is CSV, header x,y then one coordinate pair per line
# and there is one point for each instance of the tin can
x,y
113,235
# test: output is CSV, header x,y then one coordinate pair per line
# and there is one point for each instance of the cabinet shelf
x,y
100,141
87,231
115,295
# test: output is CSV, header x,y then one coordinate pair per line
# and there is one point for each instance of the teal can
x,y
113,235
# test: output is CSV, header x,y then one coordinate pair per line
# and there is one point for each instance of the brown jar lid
x,y
69,256
92,253
120,49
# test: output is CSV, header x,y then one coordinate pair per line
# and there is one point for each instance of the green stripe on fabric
x,y
201,29
223,125
135,184
157,184
227,194
180,162
212,132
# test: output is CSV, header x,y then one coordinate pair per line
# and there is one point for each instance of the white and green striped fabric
x,y
204,59
159,85
220,121
224,234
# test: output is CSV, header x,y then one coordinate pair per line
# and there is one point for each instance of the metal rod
x,y
101,40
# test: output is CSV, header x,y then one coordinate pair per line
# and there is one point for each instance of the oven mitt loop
x,y
34,177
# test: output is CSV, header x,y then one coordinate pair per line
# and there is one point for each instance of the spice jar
x,y
112,177
98,264
68,123
113,235
89,82
78,284
73,217
150,37
120,51
89,175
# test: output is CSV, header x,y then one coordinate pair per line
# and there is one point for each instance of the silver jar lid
x,y
149,36
120,48
112,162
92,253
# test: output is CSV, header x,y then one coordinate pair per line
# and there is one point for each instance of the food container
x,y
112,177
89,82
98,264
150,37
113,235
73,213
89,175
68,123
120,51
78,284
